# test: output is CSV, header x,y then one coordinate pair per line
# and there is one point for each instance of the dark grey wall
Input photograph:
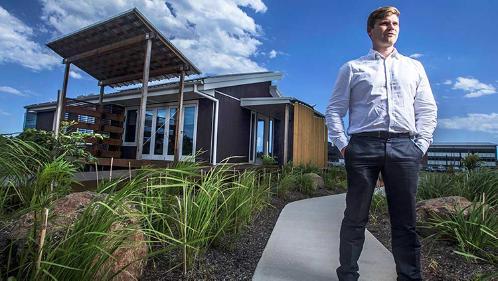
x,y
248,91
204,127
233,130
45,120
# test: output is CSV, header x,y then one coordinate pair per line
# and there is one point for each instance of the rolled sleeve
x,y
338,107
425,112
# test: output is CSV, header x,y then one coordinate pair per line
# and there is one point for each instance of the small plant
x,y
305,184
378,207
269,160
335,178
286,184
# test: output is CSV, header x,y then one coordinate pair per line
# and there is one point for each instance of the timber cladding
x,y
309,138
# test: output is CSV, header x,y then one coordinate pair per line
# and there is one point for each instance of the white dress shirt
x,y
391,94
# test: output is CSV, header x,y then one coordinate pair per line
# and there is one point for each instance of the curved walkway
x,y
304,245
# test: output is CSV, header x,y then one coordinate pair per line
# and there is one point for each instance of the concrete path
x,y
304,245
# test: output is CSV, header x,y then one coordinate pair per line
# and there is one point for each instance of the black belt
x,y
382,134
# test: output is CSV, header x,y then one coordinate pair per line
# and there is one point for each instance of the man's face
x,y
385,31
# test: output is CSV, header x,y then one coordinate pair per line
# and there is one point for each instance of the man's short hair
x,y
379,14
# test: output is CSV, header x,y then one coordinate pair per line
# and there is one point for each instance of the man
x,y
392,116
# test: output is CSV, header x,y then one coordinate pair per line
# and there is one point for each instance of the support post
x,y
286,134
61,101
179,120
143,101
101,96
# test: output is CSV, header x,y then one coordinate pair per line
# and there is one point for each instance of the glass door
x,y
160,133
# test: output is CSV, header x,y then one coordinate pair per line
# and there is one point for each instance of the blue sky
x,y
454,40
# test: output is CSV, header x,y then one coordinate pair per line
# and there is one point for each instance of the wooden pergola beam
x,y
139,76
108,48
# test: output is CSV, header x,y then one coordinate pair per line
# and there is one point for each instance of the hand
x,y
343,150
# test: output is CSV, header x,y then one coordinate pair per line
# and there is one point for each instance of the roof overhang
x,y
272,106
113,51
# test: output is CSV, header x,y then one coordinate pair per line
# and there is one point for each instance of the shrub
x,y
305,184
434,185
477,183
335,178
474,233
286,184
269,160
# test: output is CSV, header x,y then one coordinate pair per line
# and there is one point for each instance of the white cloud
x,y
12,91
447,82
18,46
75,74
473,87
4,113
272,54
416,55
217,35
478,122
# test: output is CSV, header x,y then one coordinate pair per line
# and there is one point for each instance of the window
x,y
131,125
30,120
188,130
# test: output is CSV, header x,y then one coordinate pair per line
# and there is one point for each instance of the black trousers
x,y
398,161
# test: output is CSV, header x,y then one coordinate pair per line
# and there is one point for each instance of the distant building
x,y
440,156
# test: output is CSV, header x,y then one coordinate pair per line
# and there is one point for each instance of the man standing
x,y
392,116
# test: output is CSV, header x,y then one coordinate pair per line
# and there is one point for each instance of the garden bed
x,y
238,257
438,261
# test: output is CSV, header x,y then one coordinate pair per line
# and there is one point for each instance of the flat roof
x,y
113,51
208,82
460,144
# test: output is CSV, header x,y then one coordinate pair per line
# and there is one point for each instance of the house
x,y
243,116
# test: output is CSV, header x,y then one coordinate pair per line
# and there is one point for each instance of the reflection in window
x,y
160,129
147,131
260,138
131,125
171,131
188,131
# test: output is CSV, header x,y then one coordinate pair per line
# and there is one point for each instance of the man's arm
x,y
425,112
338,107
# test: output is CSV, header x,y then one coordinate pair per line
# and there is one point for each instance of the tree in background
x,y
471,161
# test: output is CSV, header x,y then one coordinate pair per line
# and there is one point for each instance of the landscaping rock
x,y
66,211
439,207
317,180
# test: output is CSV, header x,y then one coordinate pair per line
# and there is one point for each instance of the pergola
x,y
123,50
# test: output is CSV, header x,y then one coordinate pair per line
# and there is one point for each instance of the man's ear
x,y
369,32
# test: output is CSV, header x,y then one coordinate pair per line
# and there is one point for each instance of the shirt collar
x,y
376,55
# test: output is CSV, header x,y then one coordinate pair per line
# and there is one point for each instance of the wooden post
x,y
179,120
101,96
61,101
286,134
143,102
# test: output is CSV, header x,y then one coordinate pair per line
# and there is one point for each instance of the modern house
x,y
243,116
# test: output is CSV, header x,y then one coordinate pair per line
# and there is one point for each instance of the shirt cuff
x,y
422,144
341,143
